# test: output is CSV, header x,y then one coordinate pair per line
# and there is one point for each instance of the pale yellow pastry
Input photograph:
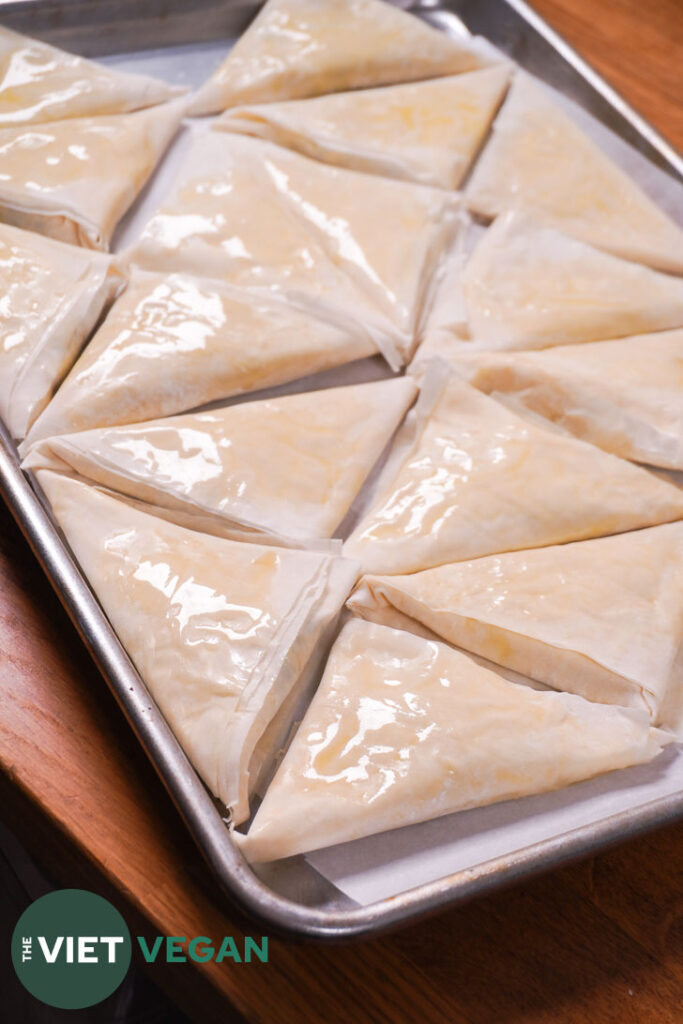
x,y
468,477
527,286
288,468
403,730
73,180
625,396
220,631
173,343
363,248
602,618
51,296
539,160
39,82
426,132
297,48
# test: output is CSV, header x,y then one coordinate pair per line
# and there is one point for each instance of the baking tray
x,y
291,898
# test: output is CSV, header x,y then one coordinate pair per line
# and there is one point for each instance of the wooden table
x,y
637,46
598,942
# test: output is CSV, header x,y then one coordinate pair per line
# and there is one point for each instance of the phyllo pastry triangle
x,y
426,132
526,286
602,618
220,631
51,296
468,477
625,396
297,48
73,180
285,468
539,160
174,343
364,247
39,82
403,729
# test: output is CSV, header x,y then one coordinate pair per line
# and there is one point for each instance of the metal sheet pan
x,y
290,897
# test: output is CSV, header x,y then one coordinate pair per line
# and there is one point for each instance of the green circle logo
x,y
71,949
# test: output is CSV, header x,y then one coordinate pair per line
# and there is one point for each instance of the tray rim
x,y
642,126
280,914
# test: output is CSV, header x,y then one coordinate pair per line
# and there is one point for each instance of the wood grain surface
x,y
598,942
636,46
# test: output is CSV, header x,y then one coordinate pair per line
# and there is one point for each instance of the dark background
x,y
137,1001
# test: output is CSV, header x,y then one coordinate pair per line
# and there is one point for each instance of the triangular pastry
x,y
73,180
625,396
259,215
426,132
602,618
539,160
40,83
285,467
51,296
297,48
468,477
220,631
211,340
527,286
403,730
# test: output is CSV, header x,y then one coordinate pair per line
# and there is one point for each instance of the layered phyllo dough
x,y
285,469
173,343
357,247
297,48
74,179
40,83
426,132
222,632
51,296
528,286
601,618
469,477
403,729
539,160
624,396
